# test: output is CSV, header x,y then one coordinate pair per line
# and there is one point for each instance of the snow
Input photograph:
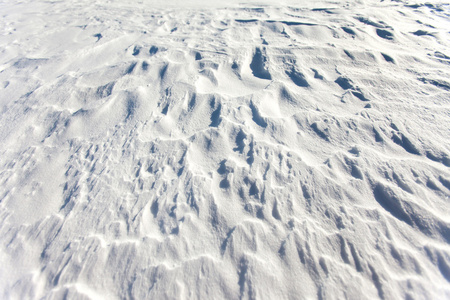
x,y
222,150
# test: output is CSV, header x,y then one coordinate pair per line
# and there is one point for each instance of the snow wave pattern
x,y
254,152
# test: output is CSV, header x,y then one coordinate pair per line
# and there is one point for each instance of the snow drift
x,y
208,151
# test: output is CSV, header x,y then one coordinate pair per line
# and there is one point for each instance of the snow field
x,y
198,150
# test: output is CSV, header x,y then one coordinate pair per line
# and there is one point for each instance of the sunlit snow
x,y
224,150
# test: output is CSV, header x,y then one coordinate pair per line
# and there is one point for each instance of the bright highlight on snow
x,y
233,150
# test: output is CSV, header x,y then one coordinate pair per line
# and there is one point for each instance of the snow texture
x,y
235,150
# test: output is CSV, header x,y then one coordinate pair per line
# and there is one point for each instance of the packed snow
x,y
224,150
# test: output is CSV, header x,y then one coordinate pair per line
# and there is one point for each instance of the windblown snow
x,y
241,150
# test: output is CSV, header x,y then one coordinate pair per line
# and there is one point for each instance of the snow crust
x,y
224,150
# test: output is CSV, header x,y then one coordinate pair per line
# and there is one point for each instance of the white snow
x,y
223,150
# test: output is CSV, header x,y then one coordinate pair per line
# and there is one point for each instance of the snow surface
x,y
223,150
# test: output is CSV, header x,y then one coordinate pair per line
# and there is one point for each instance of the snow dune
x,y
203,150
